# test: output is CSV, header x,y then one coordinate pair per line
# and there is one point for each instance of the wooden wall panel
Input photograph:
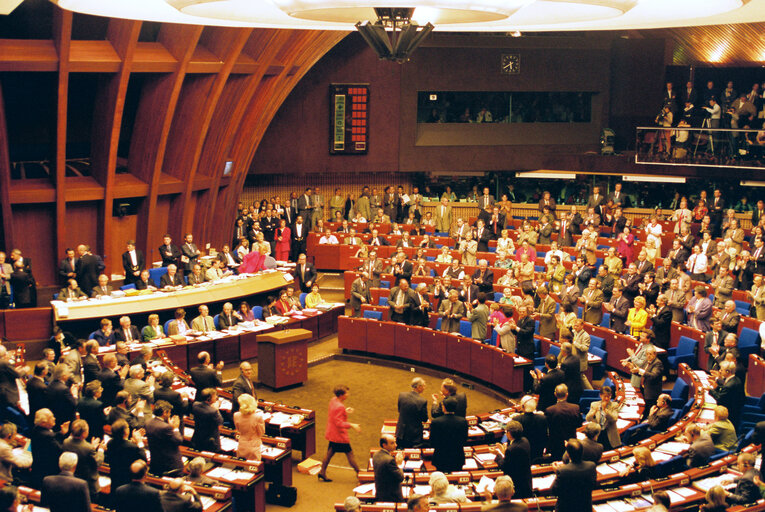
x,y
37,223
80,228
123,229
156,231
5,177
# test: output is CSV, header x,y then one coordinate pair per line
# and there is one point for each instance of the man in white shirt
x,y
328,238
697,264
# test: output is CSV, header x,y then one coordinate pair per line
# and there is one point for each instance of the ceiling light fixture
x,y
394,36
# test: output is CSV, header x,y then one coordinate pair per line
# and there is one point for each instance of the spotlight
x,y
394,36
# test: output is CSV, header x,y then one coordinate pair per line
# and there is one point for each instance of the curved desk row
x,y
226,289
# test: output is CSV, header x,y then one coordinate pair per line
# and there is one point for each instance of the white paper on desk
x,y
207,501
673,447
364,489
707,415
278,418
707,483
228,444
661,456
219,472
621,506
470,464
499,417
674,497
475,431
104,481
235,475
619,466
485,457
602,507
422,490
622,424
543,483
685,492
485,484
270,451
413,465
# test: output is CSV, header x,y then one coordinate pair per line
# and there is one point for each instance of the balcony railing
x,y
708,147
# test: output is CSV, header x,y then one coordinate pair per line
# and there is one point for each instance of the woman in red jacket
x,y
337,431
283,239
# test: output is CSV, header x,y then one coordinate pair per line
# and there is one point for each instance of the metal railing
x,y
708,147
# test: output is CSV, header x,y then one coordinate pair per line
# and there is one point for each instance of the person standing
x,y
412,413
651,377
515,459
575,481
448,436
251,426
337,431
388,474
563,419
65,492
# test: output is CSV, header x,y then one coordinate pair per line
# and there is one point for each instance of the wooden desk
x,y
283,358
188,296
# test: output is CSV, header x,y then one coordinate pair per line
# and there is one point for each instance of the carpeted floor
x,y
373,394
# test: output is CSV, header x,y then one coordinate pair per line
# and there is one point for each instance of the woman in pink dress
x,y
251,426
337,431
283,238
626,246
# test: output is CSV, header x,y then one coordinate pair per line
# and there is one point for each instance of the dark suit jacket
x,y
87,273
448,436
204,377
241,386
619,314
474,291
65,268
90,368
173,398
302,278
87,466
61,402
36,390
191,252
546,388
174,502
92,411
163,446
169,255
112,383
120,454
563,419
127,264
166,280
483,240
65,493
119,334
517,465
573,485
461,399
730,394
662,326
137,496
207,422
571,367
388,477
46,449
651,380
224,322
193,279
534,431
488,281
412,413
141,285
524,337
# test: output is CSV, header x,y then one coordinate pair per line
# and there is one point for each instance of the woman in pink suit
x,y
625,246
251,426
283,238
337,431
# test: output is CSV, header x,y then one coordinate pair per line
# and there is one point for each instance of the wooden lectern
x,y
283,357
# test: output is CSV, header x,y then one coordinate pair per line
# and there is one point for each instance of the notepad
x,y
485,484
365,489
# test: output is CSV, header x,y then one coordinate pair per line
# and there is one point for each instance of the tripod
x,y
708,125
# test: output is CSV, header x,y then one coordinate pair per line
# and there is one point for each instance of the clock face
x,y
511,63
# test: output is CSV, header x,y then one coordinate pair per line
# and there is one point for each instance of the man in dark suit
x,y
619,198
137,495
545,383
391,201
305,206
729,391
36,389
164,439
575,481
299,238
59,395
65,492
171,278
504,489
91,409
67,268
662,322
483,277
227,319
242,385
169,252
448,392
165,392
132,262
89,269
189,253
651,377
486,199
524,334
207,421
563,419
482,236
88,458
305,274
412,413
596,200
566,231
204,375
402,268
103,289
448,436
180,497
534,426
111,381
360,293
421,308
46,447
515,462
72,291
496,223
592,450
388,476
127,332
618,308
401,302
121,453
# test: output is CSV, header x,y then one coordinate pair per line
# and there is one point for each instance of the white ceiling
x,y
531,16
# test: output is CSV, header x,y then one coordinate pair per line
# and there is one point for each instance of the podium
x,y
283,358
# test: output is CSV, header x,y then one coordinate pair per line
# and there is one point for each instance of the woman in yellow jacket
x,y
637,317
